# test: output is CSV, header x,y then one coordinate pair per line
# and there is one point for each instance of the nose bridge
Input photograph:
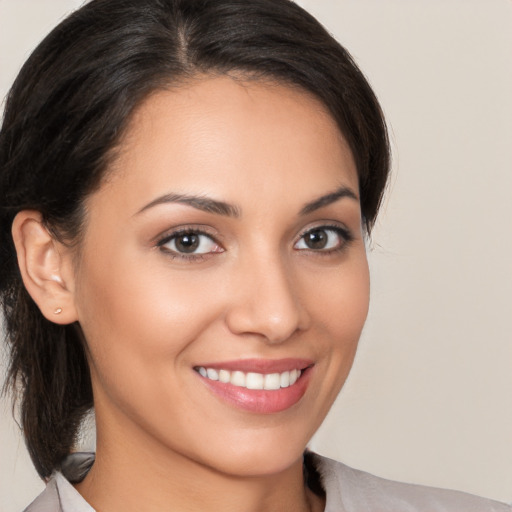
x,y
266,301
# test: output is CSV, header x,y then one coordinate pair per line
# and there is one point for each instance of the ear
x,y
46,267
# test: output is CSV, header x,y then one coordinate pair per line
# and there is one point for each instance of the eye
x,y
190,243
324,238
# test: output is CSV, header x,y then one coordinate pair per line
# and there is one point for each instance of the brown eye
x,y
323,239
190,243
187,242
316,239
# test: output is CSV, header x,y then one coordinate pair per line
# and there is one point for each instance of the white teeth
x,y
252,380
272,381
212,374
285,379
224,376
238,379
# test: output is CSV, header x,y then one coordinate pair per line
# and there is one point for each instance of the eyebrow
x,y
205,204
209,205
328,199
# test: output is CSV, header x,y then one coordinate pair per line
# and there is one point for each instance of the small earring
x,y
58,311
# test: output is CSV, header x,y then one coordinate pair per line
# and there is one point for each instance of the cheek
x,y
355,300
341,299
352,309
341,312
135,316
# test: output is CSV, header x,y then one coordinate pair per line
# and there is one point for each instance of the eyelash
x,y
183,256
344,234
346,237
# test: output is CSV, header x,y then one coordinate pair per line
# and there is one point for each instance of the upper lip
x,y
260,365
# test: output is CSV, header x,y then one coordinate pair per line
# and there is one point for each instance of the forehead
x,y
232,139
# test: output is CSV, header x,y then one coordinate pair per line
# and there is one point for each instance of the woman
x,y
186,191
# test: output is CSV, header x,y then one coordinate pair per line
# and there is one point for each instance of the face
x,y
223,281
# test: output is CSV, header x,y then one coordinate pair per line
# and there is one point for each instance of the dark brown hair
x,y
66,113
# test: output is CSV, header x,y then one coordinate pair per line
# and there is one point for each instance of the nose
x,y
266,302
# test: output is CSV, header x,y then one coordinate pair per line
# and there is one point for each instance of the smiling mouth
x,y
251,380
258,385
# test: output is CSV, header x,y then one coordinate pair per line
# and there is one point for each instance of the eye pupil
x,y
187,242
316,239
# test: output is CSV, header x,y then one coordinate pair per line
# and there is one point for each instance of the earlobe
x,y
44,265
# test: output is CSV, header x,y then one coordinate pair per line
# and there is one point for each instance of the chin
x,y
260,463
259,454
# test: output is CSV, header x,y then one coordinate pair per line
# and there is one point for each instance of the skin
x,y
150,315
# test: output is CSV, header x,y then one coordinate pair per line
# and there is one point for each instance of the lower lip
x,y
260,401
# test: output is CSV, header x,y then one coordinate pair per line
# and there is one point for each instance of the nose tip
x,y
267,304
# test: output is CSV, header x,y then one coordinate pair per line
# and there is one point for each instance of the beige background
x,y
430,396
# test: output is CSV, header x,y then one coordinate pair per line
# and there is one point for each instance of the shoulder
x,y
47,501
351,490
59,494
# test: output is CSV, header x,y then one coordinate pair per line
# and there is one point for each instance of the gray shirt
x,y
346,490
